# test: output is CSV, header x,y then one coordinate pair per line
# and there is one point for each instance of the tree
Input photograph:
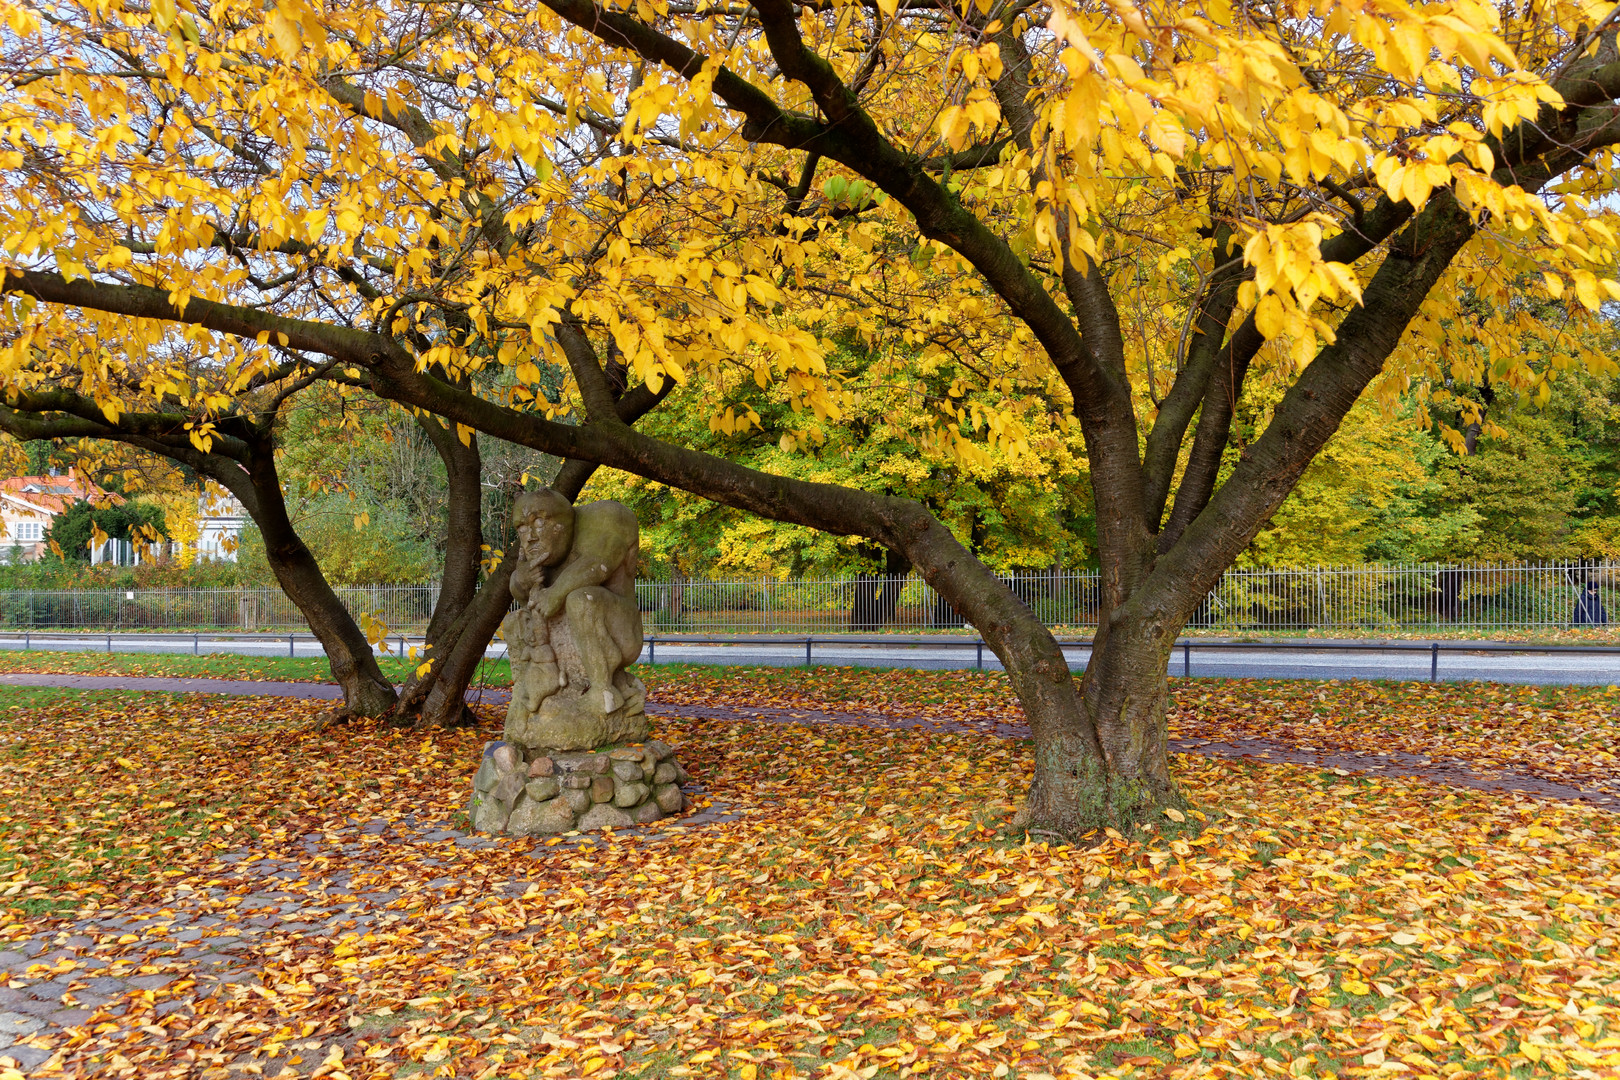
x,y
1013,510
74,528
1135,213
239,456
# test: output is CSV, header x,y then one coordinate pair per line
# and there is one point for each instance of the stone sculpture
x,y
576,627
575,754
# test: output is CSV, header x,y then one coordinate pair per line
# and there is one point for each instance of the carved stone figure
x,y
577,626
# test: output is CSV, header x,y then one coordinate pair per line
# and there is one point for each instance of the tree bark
x,y
436,697
366,691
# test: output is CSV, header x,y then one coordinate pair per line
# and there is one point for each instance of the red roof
x,y
53,494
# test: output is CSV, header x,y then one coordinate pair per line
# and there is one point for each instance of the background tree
x,y
132,520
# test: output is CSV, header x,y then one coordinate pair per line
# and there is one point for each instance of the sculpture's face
x,y
546,537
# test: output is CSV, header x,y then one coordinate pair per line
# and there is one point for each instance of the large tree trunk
x,y
366,691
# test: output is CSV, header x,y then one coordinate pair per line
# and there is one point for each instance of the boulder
x,y
532,818
603,816
489,814
506,756
507,787
669,798
631,794
546,787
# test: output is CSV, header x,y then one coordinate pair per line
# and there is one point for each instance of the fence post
x,y
1186,659
807,643
1434,662
290,644
196,644
109,643
652,650
978,662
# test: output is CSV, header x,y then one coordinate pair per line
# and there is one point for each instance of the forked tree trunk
x,y
1099,744
463,648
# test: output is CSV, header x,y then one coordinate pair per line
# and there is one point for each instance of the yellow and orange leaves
x,y
640,206
1352,93
862,911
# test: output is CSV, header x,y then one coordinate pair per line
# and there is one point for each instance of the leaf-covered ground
x,y
863,915
1566,734
212,666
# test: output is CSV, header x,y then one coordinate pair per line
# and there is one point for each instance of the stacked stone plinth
x,y
527,792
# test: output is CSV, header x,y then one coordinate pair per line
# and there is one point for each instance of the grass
x,y
214,666
866,915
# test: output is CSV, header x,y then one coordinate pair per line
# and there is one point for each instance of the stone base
x,y
528,792
574,719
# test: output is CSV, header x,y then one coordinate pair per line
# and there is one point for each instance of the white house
x,y
220,517
28,505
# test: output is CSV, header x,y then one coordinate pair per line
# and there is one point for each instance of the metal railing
x,y
1440,661
403,607
1391,599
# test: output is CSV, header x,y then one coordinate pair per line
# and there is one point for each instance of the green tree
x,y
72,529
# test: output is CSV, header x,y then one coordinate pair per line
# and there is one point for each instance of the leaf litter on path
x,y
865,915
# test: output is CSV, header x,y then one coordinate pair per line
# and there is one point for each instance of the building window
x,y
28,532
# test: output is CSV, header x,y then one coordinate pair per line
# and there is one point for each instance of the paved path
x,y
1269,751
1292,662
1297,661
310,690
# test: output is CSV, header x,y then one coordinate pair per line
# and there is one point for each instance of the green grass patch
x,y
216,666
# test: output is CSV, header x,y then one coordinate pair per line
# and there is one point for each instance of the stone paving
x,y
212,943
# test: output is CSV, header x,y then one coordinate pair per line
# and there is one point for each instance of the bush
x,y
383,552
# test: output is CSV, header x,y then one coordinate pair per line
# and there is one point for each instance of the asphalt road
x,y
1289,663
1292,662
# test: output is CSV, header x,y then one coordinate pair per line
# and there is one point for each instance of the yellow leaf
x,y
1270,318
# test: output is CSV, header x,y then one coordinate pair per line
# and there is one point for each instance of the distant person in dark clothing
x,y
1589,608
